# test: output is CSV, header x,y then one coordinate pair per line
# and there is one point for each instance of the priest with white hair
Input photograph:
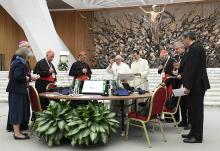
x,y
118,66
115,68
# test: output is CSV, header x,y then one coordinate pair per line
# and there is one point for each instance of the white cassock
x,y
116,69
140,66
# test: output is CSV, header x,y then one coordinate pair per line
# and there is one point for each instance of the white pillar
x,y
34,18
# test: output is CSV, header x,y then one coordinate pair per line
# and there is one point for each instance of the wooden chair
x,y
156,107
35,103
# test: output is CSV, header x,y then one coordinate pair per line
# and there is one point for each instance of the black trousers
x,y
196,112
184,110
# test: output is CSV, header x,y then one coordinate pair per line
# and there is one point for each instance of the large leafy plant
x,y
91,124
51,123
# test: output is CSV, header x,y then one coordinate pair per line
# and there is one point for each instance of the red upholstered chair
x,y
173,111
156,107
50,86
35,102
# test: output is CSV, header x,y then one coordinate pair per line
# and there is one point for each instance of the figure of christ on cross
x,y
154,20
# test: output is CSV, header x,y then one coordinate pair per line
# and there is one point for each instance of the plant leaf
x,y
110,115
82,126
51,130
93,128
113,120
93,136
61,125
76,130
86,133
113,129
44,127
50,142
101,129
73,142
72,123
104,138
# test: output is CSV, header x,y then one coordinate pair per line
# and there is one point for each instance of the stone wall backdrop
x,y
122,31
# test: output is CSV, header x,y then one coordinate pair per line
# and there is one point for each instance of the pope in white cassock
x,y
115,68
118,66
140,69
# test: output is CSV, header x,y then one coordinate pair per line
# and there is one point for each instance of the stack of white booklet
x,y
179,92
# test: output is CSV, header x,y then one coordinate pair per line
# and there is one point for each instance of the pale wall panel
x,y
71,27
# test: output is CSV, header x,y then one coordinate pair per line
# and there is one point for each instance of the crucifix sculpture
x,y
154,21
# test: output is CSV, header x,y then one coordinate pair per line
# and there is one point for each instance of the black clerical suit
x,y
42,68
195,79
77,73
168,71
170,84
183,102
76,70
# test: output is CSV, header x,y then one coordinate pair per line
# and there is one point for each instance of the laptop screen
x,y
93,87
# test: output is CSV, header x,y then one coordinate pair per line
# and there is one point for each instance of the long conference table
x,y
86,97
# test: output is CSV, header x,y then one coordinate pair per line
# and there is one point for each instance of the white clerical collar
x,y
48,63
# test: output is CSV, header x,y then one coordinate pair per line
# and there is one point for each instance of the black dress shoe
x,y
186,136
192,140
24,134
21,138
187,127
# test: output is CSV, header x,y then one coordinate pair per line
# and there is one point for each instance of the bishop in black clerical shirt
x,y
80,69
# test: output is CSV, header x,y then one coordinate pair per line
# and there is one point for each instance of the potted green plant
x,y
62,66
51,123
91,124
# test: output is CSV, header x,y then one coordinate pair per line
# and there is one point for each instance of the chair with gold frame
x,y
50,86
172,112
35,102
156,107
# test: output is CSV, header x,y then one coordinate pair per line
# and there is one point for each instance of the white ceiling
x,y
98,4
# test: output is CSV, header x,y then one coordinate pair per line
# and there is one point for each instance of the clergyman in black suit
x,y
47,73
195,82
181,60
166,69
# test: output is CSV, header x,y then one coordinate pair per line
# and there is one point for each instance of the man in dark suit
x,y
166,69
47,73
178,67
195,82
80,69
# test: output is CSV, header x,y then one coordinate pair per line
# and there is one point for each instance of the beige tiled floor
x,y
135,142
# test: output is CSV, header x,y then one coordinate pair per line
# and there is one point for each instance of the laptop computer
x,y
125,76
93,87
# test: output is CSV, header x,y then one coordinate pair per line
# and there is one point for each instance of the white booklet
x,y
179,92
